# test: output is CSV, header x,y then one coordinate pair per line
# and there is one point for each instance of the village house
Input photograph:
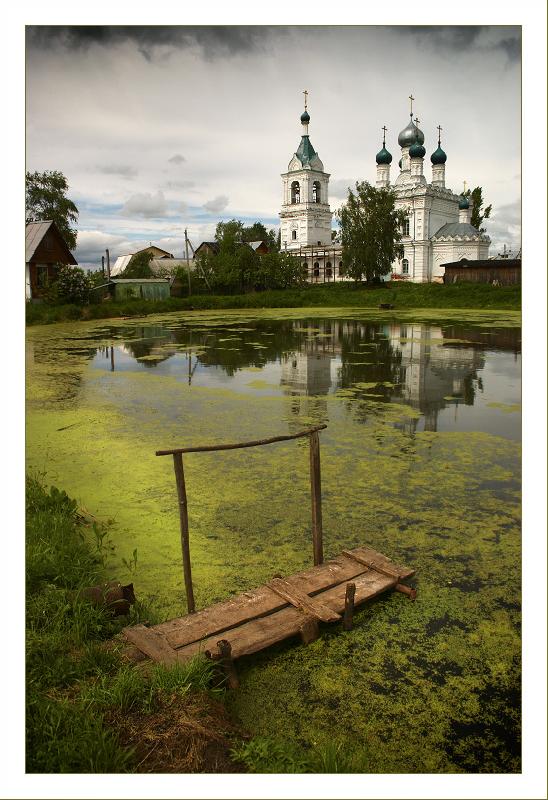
x,y
45,251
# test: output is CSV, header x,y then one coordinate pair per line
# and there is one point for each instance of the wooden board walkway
x,y
282,608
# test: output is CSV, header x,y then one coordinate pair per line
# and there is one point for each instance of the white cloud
x,y
124,170
146,205
177,159
217,204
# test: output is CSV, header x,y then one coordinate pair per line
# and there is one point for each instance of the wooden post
x,y
225,657
187,264
316,495
183,519
411,593
103,266
349,606
112,359
108,265
309,630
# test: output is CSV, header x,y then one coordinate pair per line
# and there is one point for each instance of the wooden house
x,y
45,251
498,272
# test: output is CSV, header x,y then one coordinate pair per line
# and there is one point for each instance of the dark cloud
x,y
177,159
179,184
214,41
465,38
124,170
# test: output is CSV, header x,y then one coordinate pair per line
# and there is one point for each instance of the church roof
x,y
305,152
459,230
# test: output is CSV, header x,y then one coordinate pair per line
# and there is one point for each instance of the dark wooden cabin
x,y
498,272
45,251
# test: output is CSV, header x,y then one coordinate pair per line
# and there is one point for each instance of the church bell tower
x,y
305,217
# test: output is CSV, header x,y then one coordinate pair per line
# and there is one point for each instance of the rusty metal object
x,y
411,593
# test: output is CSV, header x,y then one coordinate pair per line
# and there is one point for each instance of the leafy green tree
x,y
229,235
479,213
370,230
45,199
72,285
139,267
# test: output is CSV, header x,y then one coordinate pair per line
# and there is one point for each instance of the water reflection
x,y
443,372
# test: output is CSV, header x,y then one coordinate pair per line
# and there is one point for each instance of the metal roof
x,y
120,264
456,229
255,245
35,232
491,263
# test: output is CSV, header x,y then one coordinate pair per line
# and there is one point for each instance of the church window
x,y
305,265
295,192
405,227
328,270
316,269
405,267
293,235
316,194
341,271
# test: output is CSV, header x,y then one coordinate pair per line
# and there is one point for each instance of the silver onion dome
x,y
410,135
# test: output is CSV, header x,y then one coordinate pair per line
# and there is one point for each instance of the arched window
x,y
328,270
405,267
293,235
295,192
341,271
305,265
316,193
405,227
316,269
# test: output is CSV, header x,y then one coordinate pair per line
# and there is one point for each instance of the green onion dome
x,y
383,156
417,150
305,117
410,134
463,202
438,156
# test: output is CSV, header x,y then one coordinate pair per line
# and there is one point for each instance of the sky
x,y
158,128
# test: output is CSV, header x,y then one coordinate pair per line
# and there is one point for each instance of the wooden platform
x,y
282,608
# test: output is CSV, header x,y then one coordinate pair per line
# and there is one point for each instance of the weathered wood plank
x,y
375,560
265,631
259,602
299,599
152,643
263,601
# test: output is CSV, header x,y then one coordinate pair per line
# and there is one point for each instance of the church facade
x,y
437,228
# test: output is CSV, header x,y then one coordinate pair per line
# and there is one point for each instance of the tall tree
x,y
478,212
370,232
45,199
139,266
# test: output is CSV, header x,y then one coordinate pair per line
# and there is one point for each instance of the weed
x,y
263,754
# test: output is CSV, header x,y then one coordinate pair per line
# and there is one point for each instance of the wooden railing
x,y
315,491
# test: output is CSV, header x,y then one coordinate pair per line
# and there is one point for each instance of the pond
x,y
420,460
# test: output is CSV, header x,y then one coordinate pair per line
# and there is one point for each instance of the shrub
x,y
72,286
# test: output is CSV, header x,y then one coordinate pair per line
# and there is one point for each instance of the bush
x,y
73,285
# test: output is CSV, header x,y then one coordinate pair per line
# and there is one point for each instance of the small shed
x,y
141,288
45,251
498,272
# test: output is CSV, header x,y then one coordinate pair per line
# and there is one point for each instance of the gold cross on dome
x,y
411,98
384,129
464,185
416,120
305,98
439,131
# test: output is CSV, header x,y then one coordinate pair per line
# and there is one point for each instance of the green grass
x,y
72,680
264,754
399,294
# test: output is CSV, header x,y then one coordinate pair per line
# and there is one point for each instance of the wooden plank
x,y
265,631
349,606
367,556
259,602
262,601
152,643
299,599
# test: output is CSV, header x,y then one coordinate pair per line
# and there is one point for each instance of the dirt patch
x,y
186,734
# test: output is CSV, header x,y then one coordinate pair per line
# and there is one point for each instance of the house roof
x,y
171,264
120,264
149,247
212,245
255,245
140,280
34,234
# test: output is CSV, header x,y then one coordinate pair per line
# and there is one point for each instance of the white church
x,y
437,228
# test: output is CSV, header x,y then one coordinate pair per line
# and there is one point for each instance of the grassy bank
x,y
87,710
400,295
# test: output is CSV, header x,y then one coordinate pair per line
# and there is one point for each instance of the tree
x,y
370,231
139,267
45,199
478,212
72,285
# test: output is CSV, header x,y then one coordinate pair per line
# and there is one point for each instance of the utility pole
x,y
108,265
187,263
103,266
